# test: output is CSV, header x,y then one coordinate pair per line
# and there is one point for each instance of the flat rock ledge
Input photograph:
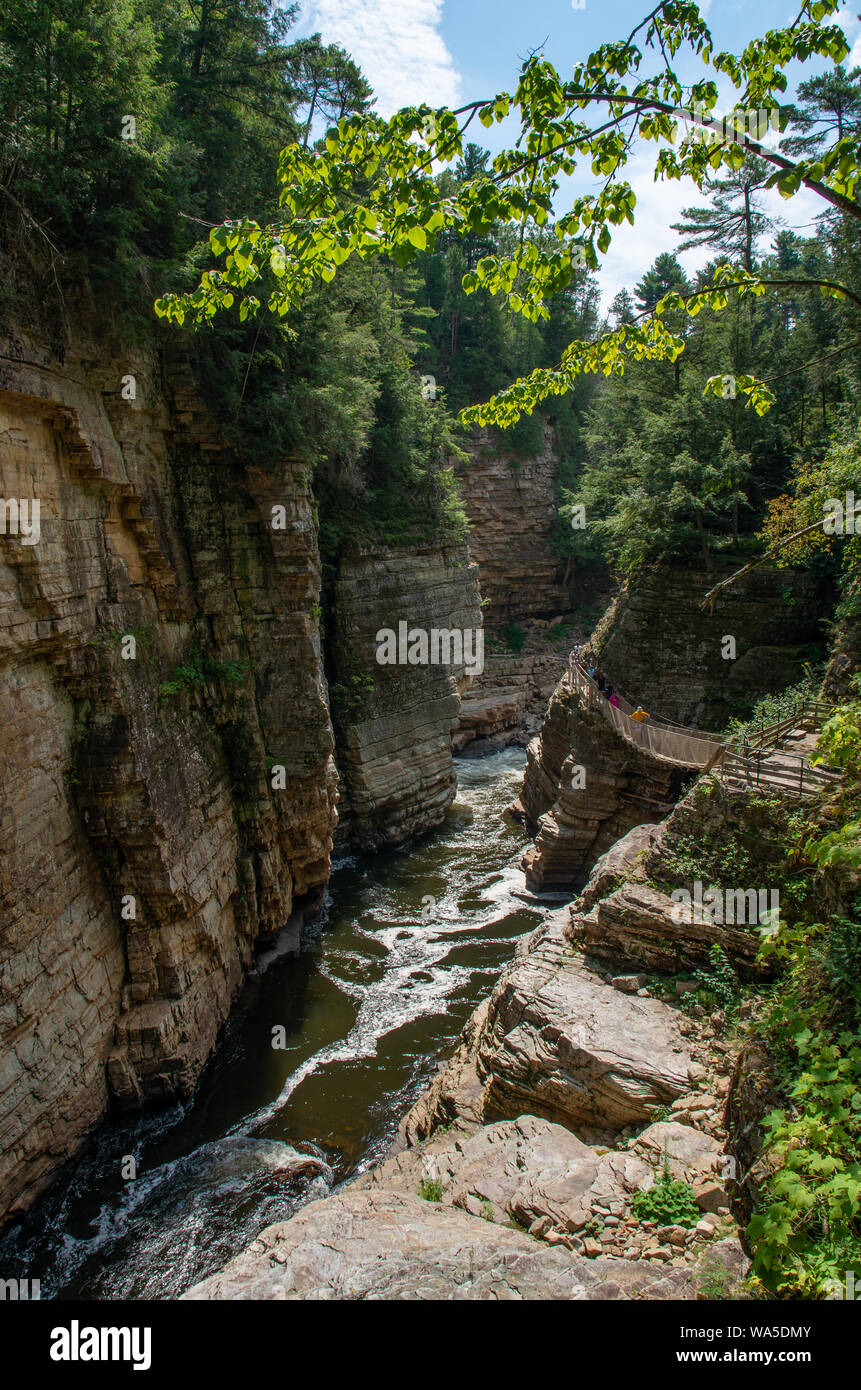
x,y
635,927
375,1244
554,1040
543,1179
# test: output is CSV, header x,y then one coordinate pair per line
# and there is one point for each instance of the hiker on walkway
x,y
639,714
601,683
611,695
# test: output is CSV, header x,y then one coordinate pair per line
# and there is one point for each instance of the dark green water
x,y
367,1008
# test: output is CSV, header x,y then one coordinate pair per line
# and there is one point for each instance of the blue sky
x,y
446,52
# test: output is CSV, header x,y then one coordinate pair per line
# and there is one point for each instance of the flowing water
x,y
409,942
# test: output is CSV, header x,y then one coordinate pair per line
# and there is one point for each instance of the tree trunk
x,y
200,41
707,559
311,115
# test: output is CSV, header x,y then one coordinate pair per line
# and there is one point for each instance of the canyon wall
x,y
506,704
577,819
170,781
660,647
511,504
394,721
147,846
512,508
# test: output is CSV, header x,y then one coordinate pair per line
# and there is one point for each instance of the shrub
x,y
513,636
669,1202
430,1189
719,981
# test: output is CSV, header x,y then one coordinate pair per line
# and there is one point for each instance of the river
x,y
363,1014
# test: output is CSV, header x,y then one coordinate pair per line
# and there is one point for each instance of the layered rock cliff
x,y
512,507
159,656
660,647
506,704
395,721
584,787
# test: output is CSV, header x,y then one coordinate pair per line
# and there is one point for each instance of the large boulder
x,y
636,927
688,1153
561,1043
520,1170
622,861
555,1041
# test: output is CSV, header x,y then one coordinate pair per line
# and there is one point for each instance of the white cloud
x,y
849,23
633,249
397,44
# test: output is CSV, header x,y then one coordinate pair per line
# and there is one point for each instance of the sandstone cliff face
x,y
661,648
146,847
395,721
512,507
576,817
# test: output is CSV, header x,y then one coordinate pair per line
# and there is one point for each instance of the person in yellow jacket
x,y
639,714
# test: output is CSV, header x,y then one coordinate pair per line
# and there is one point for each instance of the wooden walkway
x,y
775,755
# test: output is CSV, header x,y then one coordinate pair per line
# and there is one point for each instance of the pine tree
x,y
829,109
735,219
666,274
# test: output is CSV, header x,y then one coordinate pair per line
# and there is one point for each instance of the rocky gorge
x,y
196,781
192,725
589,1076
573,1087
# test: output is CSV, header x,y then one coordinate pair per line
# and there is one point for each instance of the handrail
x,y
684,747
653,736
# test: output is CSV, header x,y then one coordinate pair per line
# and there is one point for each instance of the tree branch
x,y
709,600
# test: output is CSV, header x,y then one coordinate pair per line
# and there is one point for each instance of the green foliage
x,y
371,190
351,696
840,739
840,746
200,671
690,857
430,1189
774,707
807,1231
840,846
719,983
668,1202
513,636
814,1148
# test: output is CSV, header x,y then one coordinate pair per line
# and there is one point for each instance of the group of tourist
x,y
608,691
605,688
